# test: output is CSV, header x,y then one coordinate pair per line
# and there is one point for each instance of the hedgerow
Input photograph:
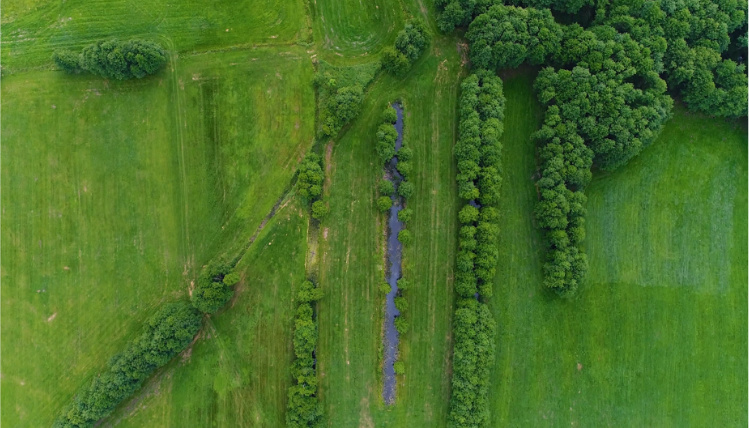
x,y
167,333
303,408
114,59
477,153
340,93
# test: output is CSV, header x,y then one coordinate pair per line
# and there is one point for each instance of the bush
x,y
67,61
166,334
405,237
389,115
386,187
385,288
386,137
231,279
409,45
401,325
404,154
399,368
311,176
404,284
115,59
406,189
384,203
405,215
211,293
401,304
319,210
468,215
405,168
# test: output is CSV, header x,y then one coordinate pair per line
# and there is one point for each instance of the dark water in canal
x,y
394,250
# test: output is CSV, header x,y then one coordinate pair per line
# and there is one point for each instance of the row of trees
x,y
409,45
303,408
477,153
166,334
114,59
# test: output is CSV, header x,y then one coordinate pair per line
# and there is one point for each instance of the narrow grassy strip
x,y
478,157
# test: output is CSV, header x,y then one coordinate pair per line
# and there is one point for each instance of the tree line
x,y
303,408
114,59
478,155
166,334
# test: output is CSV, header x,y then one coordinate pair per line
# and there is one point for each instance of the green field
x,y
114,194
353,255
238,372
32,30
657,337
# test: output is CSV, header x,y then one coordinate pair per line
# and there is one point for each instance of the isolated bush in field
x,y
115,59
311,176
166,334
405,237
386,187
319,210
399,368
405,215
401,325
406,189
384,203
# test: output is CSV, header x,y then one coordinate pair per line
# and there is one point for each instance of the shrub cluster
x,y
114,59
309,184
214,287
303,409
409,45
477,152
167,333
340,94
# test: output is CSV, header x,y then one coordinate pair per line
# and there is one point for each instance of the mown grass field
x,y
114,194
657,337
32,29
352,261
237,374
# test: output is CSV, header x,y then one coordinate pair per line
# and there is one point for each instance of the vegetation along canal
x,y
394,250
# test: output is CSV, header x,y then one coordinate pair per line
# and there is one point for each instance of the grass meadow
x,y
238,371
352,255
657,336
115,193
33,29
